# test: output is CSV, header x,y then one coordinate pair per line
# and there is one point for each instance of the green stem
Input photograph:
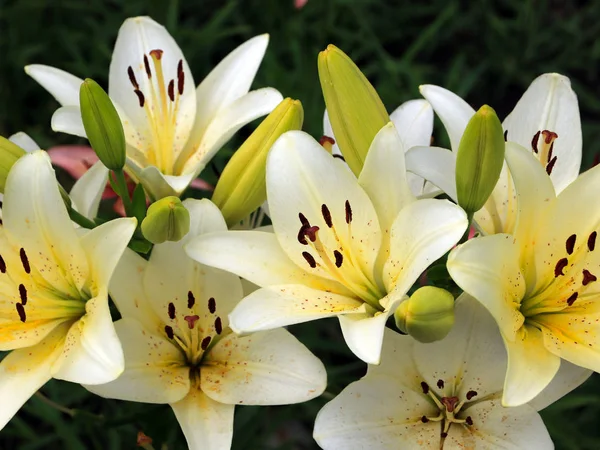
x,y
123,192
53,404
80,219
465,237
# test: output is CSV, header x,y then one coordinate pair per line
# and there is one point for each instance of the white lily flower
x,y
414,123
342,247
172,130
54,313
180,350
439,396
545,120
540,282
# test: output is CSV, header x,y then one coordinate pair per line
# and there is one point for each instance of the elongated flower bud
x,y
242,187
102,125
428,315
355,110
166,220
479,159
9,154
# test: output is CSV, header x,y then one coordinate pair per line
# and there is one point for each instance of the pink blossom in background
x,y
299,4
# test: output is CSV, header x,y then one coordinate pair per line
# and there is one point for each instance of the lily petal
x,y
206,424
67,119
63,86
568,377
155,369
454,112
550,104
422,233
87,191
328,131
436,165
530,367
24,141
488,269
364,334
287,304
266,368
414,122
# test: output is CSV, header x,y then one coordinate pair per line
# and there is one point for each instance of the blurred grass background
x,y
487,52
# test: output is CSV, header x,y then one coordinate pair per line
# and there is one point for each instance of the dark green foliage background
x,y
487,52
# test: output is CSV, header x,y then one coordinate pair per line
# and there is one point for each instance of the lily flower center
x,y
195,329
542,145
573,276
449,409
30,300
161,104
337,257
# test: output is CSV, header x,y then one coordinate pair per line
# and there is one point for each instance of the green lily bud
x,y
9,154
355,110
242,188
479,160
428,315
102,125
166,220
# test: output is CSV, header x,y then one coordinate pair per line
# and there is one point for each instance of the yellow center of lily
x,y
338,259
161,105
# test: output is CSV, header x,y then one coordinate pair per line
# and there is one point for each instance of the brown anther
x,y
560,265
191,320
570,244
212,305
218,325
505,135
147,67
424,419
572,298
323,140
534,141
143,440
25,261
309,259
180,77
588,277
2,265
171,90
141,98
440,384
23,294
205,342
425,387
339,258
326,215
444,435
302,234
550,151
311,233
156,54
549,136
591,242
21,312
132,78
303,220
348,212
469,421
169,331
191,300
550,166
339,157
471,394
450,403
171,311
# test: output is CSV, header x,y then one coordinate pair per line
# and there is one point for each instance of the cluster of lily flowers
x,y
465,278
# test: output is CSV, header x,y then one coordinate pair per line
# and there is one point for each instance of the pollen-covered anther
x,y
424,387
348,212
471,394
309,259
550,165
424,419
191,320
534,142
205,342
147,67
169,331
302,235
25,261
303,220
2,265
326,215
570,243
339,258
180,77
171,90
171,311
572,298
469,421
132,78
21,312
591,243
141,98
440,384
588,277
23,294
192,300
218,325
560,265
212,305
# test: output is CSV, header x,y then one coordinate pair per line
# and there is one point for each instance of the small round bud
x,y
166,220
428,315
